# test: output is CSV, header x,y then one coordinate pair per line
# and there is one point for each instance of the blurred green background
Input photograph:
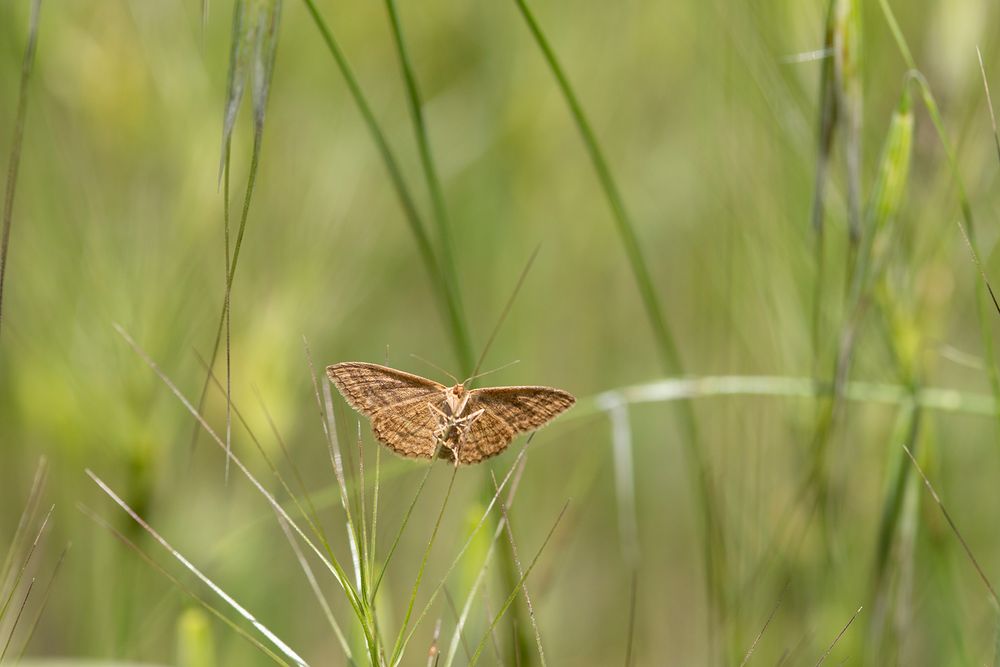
x,y
708,120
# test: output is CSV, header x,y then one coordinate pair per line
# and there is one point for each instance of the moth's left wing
x,y
521,408
370,387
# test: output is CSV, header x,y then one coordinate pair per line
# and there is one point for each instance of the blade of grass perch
x,y
182,587
397,650
325,405
461,552
331,563
446,296
829,650
517,589
14,161
457,635
520,571
253,53
338,468
713,534
271,637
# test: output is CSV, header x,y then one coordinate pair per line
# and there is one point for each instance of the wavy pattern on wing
x,y
408,428
369,388
487,436
522,408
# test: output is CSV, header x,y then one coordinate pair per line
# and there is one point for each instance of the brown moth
x,y
419,418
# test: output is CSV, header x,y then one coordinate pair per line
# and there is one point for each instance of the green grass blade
x,y
14,162
457,635
445,294
398,648
446,249
517,589
225,597
468,542
713,541
520,572
263,648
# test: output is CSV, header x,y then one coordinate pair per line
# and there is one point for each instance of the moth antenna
x,y
500,368
506,310
435,366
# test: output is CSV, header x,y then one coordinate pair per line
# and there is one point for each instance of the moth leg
x,y
462,426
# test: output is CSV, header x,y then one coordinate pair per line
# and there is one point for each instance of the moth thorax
x,y
456,398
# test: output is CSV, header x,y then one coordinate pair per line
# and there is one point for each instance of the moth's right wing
x,y
408,428
369,388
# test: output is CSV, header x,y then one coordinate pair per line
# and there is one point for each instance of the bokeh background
x,y
707,114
